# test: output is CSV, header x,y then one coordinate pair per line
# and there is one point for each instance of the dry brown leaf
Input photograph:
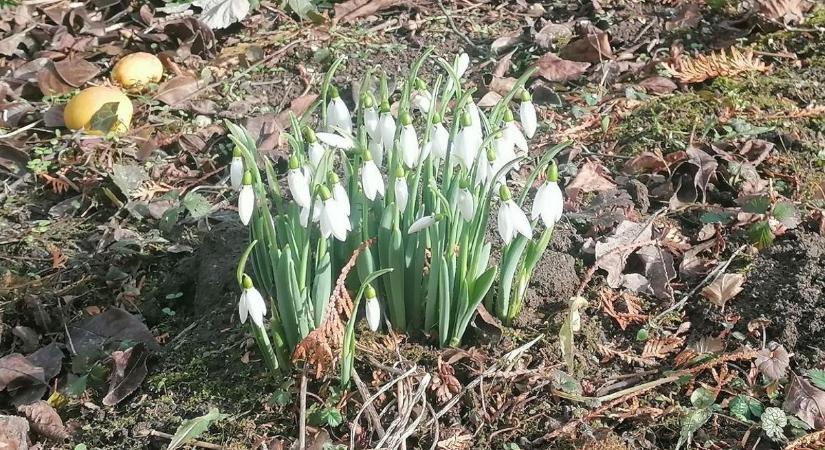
x,y
786,12
354,9
633,310
661,347
728,64
553,68
773,361
176,91
593,48
592,177
658,85
806,401
44,420
553,32
724,288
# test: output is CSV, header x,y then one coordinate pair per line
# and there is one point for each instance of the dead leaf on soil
x,y
354,9
658,85
805,401
593,48
553,32
787,12
632,313
24,381
50,358
506,42
489,99
14,433
128,372
114,324
773,361
724,288
44,420
704,67
688,15
553,68
613,262
707,166
176,91
592,177
659,270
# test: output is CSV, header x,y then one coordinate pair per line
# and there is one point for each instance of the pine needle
x,y
723,64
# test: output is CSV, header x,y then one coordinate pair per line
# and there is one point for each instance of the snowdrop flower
x,y
504,148
334,220
338,115
373,309
462,62
527,114
236,169
439,137
252,304
512,133
484,170
338,192
386,127
298,183
370,115
316,150
466,204
421,99
408,142
316,213
246,199
511,219
371,180
467,142
423,223
549,201
475,117
376,150
336,140
401,192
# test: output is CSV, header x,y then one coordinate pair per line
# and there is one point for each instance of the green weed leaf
x,y
817,377
774,421
104,118
760,234
757,205
190,430
197,205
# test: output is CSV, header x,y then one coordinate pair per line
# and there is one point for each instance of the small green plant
x,y
424,190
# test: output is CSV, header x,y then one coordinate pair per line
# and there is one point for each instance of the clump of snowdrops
x,y
425,182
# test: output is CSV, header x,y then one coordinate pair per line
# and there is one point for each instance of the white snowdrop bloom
x,y
505,148
236,169
466,204
511,219
339,193
468,143
303,217
422,223
372,308
376,150
549,200
338,115
527,115
334,220
460,66
246,199
513,134
439,138
336,140
251,304
401,193
370,116
408,142
386,127
316,154
475,117
298,183
371,180
422,100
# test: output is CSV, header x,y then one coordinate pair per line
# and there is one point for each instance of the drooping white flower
x,y
372,308
466,204
462,62
246,199
504,148
334,220
422,100
527,115
338,115
316,153
549,200
298,183
467,143
513,134
336,140
303,217
511,219
339,193
236,169
439,138
401,193
386,127
371,180
376,150
408,142
422,223
370,115
475,118
251,304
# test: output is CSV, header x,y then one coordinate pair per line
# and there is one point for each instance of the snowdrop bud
x,y
236,169
298,183
462,64
386,127
466,204
252,303
246,199
337,112
401,192
371,180
409,141
527,115
422,223
373,309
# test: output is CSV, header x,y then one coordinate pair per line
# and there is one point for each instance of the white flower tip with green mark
x,y
512,221
246,203
336,140
422,223
251,305
373,309
371,180
236,172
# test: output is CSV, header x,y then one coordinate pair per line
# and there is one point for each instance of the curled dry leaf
x,y
593,48
786,12
724,288
44,420
592,177
658,85
176,91
773,361
354,9
553,68
128,372
23,380
114,324
805,401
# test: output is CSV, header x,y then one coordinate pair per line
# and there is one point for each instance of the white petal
x,y
256,305
466,204
335,140
401,194
539,202
371,180
527,115
554,205
512,133
298,187
421,224
462,64
505,224
333,220
338,115
520,222
316,154
236,172
243,311
377,152
409,146
340,194
371,122
426,150
373,310
246,204
422,101
386,128
440,137
504,149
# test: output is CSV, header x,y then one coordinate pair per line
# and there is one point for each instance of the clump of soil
x,y
787,286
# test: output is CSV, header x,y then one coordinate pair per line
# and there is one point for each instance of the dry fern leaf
x,y
723,64
321,346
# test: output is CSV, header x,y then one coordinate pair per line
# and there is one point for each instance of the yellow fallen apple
x,y
99,110
136,71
